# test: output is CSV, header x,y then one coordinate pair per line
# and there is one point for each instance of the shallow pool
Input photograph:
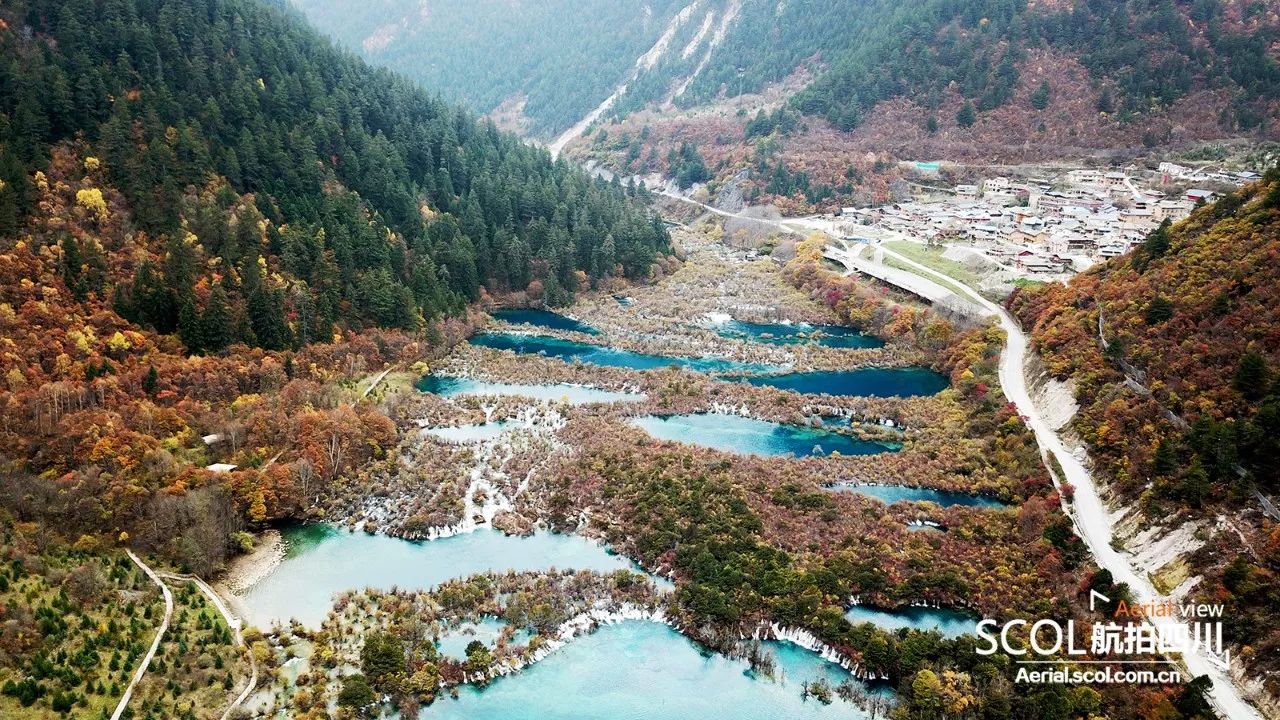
x,y
750,436
555,392
322,561
868,382
901,493
569,350
950,622
647,671
543,318
835,336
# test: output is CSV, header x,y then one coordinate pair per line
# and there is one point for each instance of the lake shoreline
x,y
247,570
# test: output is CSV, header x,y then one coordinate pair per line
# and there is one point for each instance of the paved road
x,y
1092,519
155,645
855,260
1090,514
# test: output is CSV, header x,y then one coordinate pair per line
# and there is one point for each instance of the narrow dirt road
x,y
234,623
155,644
381,376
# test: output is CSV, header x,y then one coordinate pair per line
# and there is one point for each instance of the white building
x,y
996,184
1114,179
1137,216
1172,210
1085,177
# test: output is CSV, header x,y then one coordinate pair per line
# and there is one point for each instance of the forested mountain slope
x,y
550,61
993,81
1137,59
374,191
1181,410
1144,54
180,179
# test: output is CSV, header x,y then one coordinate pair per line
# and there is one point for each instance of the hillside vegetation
x,y
554,60
1143,55
78,620
808,106
213,223
364,189
1181,410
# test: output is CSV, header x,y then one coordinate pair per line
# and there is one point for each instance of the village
x,y
1043,226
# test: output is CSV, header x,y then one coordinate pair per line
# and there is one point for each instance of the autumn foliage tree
x,y
1173,353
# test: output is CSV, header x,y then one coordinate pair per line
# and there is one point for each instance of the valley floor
x,y
552,440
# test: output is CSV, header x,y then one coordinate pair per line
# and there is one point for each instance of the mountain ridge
x,y
1141,56
991,82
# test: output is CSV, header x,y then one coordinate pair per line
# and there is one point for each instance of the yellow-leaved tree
x,y
91,199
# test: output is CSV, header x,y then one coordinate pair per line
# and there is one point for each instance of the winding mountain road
x,y
1090,514
936,293
1087,510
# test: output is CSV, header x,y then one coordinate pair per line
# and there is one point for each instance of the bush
x,y
356,693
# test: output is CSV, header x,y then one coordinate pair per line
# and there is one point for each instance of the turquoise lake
x,y
900,493
868,382
871,382
749,436
569,350
453,643
543,318
647,671
322,561
575,394
951,623
835,336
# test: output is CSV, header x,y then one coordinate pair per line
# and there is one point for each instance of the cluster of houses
x,y
1173,172
1038,227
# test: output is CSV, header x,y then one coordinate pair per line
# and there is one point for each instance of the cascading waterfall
x,y
581,624
533,427
807,640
